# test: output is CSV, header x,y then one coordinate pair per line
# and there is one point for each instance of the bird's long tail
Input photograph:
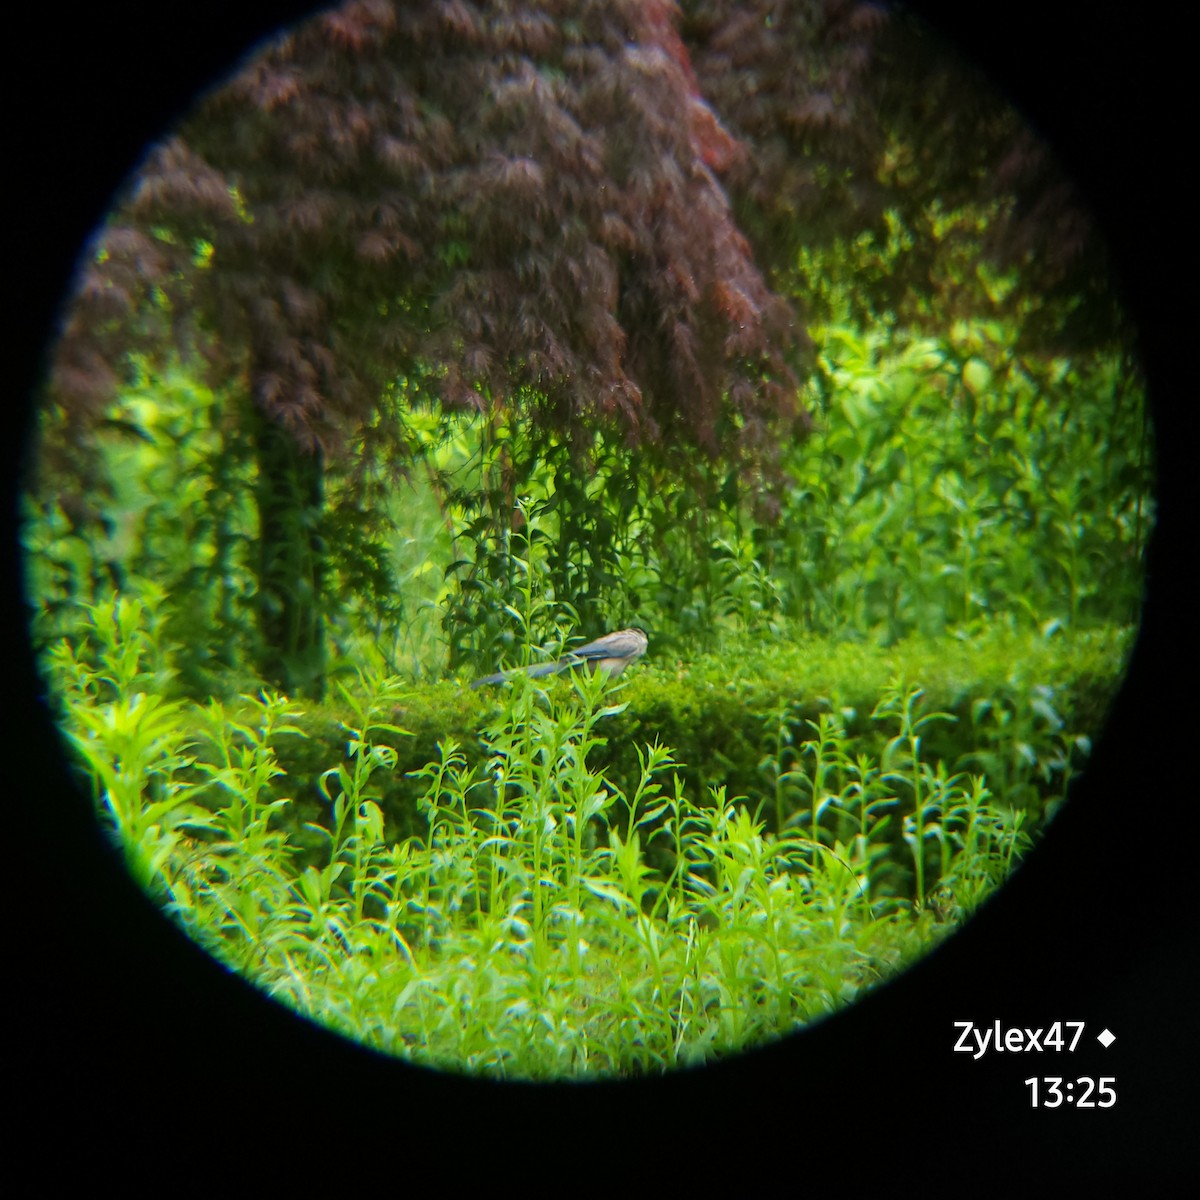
x,y
499,677
549,668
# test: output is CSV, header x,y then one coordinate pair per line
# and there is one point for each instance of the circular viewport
x,y
574,540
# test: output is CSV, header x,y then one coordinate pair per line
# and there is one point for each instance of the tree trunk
x,y
289,495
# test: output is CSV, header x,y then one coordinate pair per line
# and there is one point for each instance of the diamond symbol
x,y
1106,1039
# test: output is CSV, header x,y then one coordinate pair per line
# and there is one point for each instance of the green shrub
x,y
542,919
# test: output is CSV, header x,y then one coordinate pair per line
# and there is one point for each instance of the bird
x,y
611,654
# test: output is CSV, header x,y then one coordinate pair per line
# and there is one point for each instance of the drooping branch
x,y
520,197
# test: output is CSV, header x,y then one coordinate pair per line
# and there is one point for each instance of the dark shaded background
x,y
138,1057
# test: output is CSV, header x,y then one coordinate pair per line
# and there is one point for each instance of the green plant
x,y
904,767
172,480
545,921
958,481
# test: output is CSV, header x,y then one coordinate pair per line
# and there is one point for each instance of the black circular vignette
x,y
125,1025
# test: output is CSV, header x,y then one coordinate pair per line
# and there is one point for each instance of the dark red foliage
x,y
526,203
792,82
518,197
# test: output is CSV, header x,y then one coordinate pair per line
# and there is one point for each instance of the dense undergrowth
x,y
852,720
953,484
544,921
